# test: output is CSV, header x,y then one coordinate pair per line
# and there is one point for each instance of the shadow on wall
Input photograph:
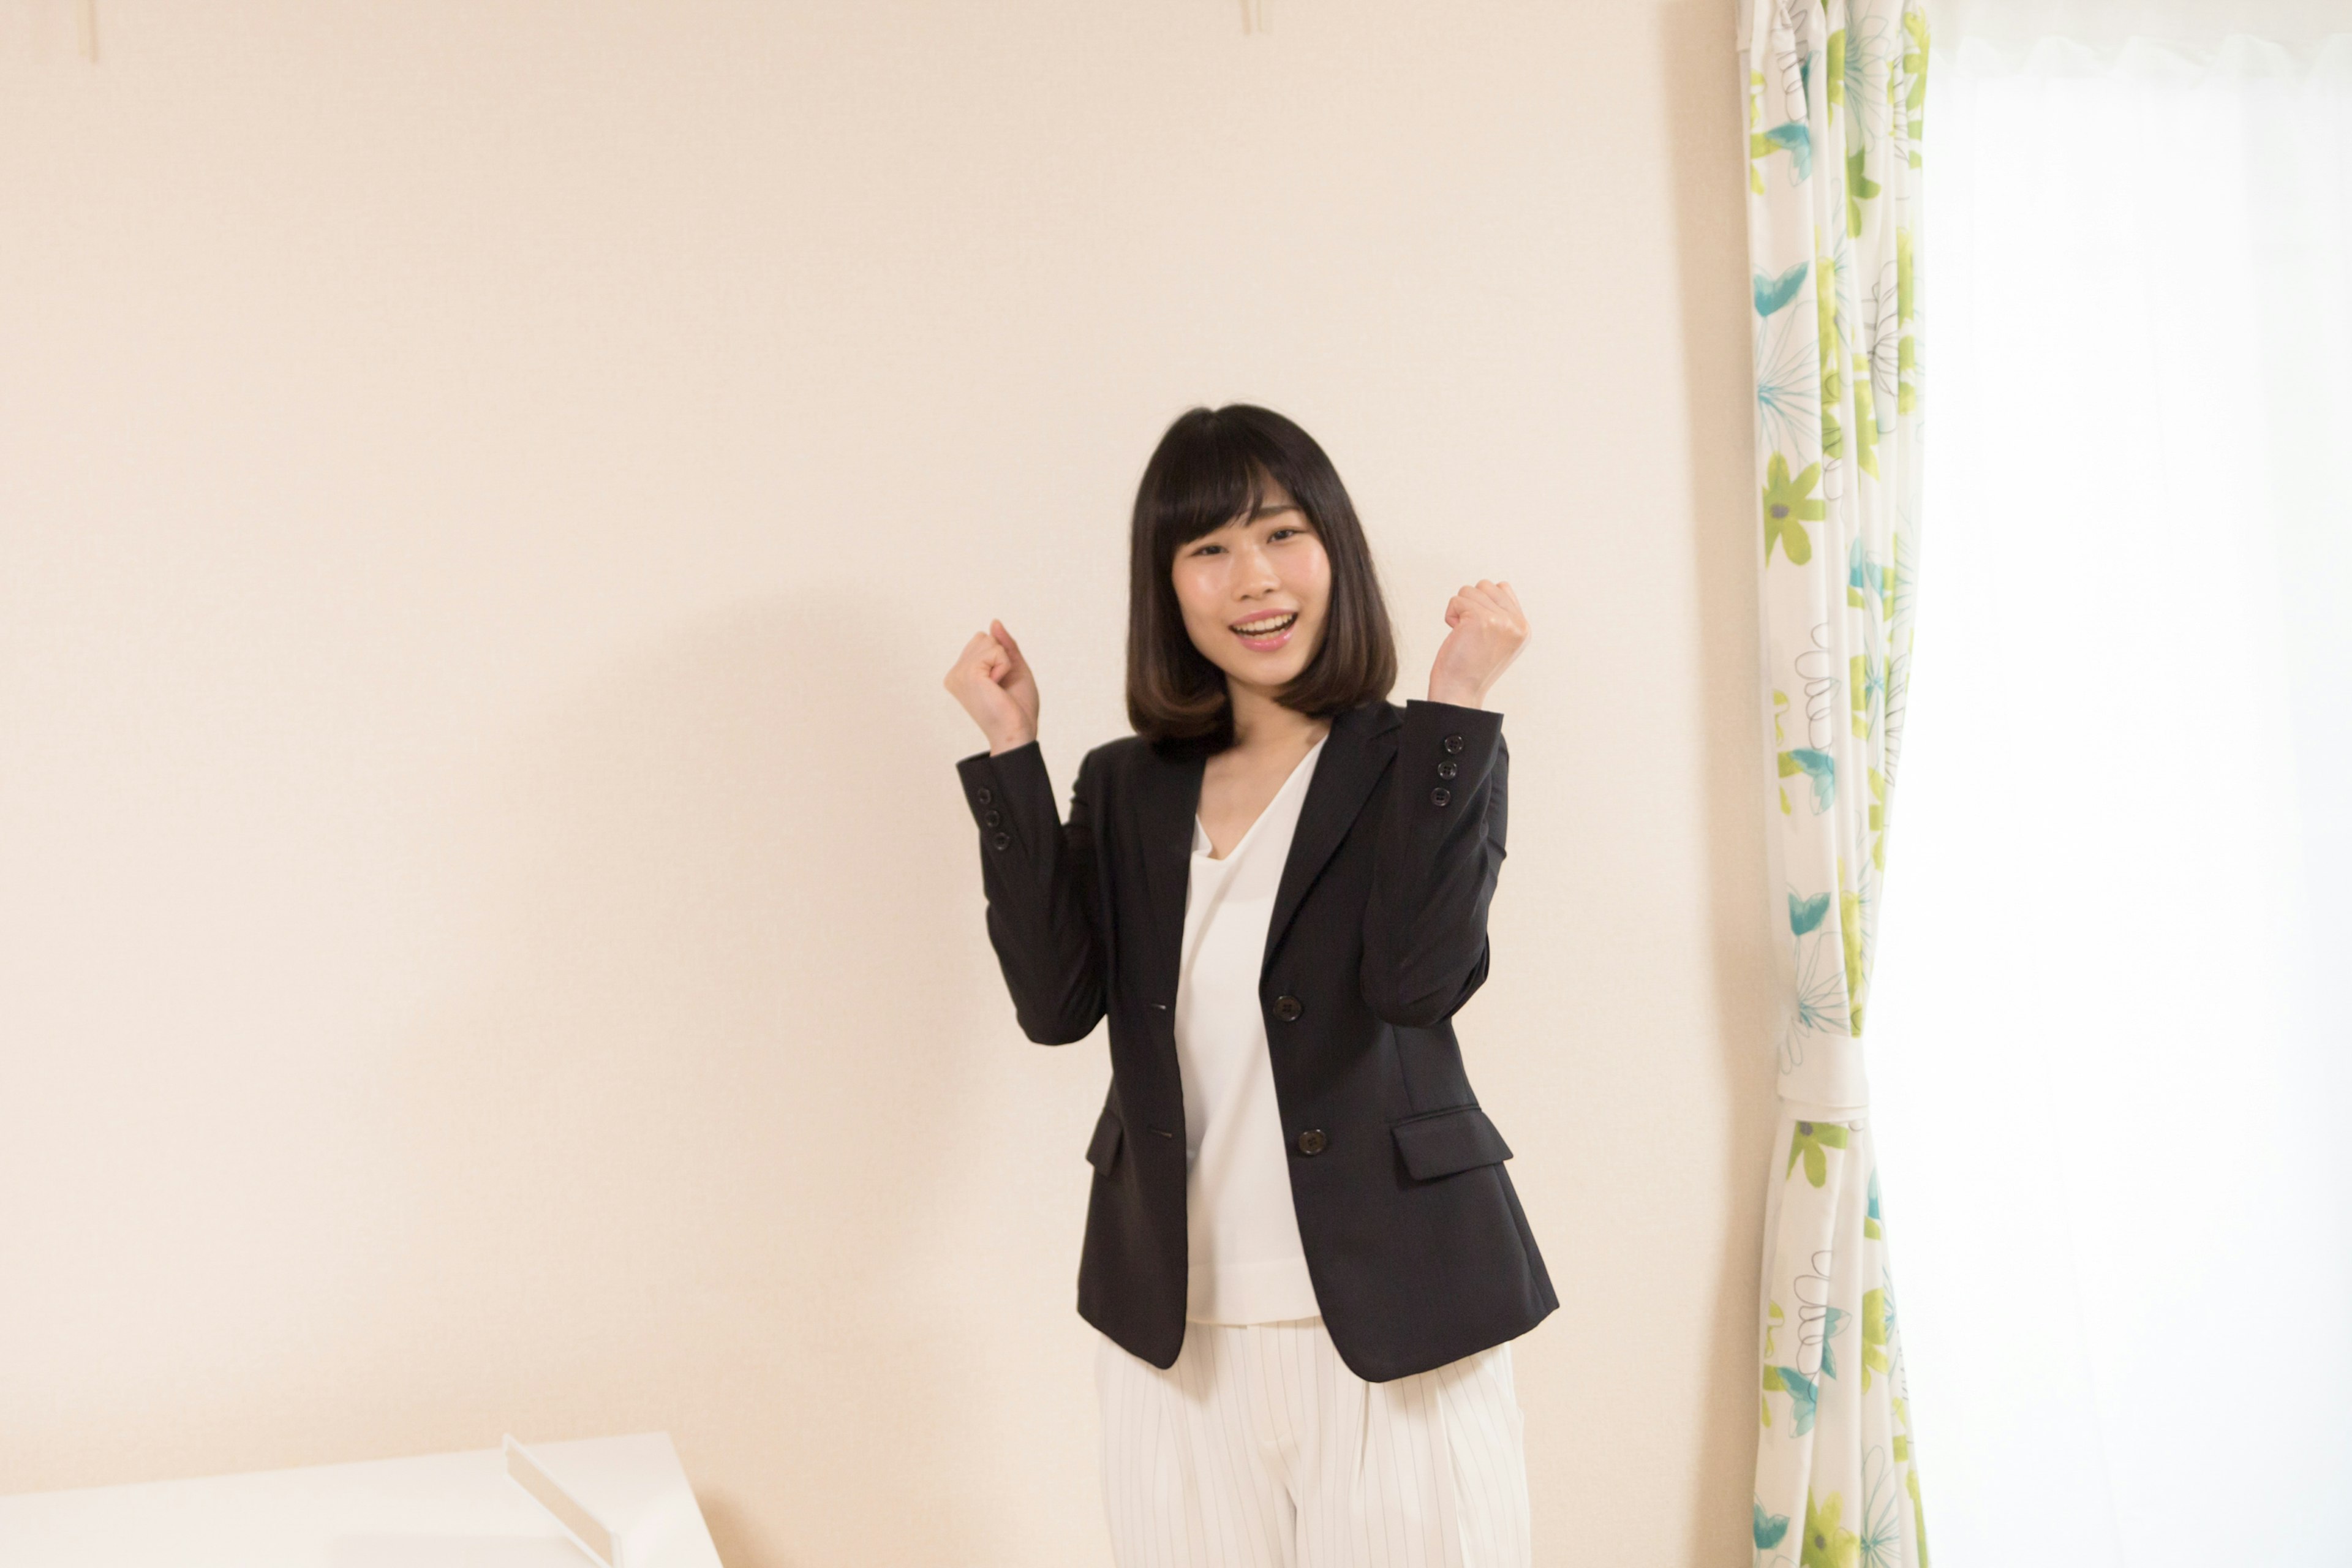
x,y
1706,116
675,1146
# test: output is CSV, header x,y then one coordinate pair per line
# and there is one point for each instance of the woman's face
x,y
1254,591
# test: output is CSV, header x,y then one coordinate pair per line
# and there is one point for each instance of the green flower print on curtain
x,y
1836,96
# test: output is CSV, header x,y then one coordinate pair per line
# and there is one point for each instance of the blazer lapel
x,y
1344,776
1168,797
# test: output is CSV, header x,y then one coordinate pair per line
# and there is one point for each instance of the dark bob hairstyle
x,y
1210,468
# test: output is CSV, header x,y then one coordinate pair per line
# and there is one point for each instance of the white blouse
x,y
1246,1263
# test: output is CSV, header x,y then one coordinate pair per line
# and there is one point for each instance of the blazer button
x,y
1447,770
1287,1008
981,794
1312,1142
1440,796
1453,744
1000,838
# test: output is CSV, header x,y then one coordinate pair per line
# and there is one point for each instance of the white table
x,y
451,1511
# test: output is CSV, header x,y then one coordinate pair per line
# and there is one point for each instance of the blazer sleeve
x,y
1435,867
1040,877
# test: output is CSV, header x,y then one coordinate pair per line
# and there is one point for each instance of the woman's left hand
x,y
1489,629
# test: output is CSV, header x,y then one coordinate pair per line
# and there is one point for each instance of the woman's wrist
x,y
1460,696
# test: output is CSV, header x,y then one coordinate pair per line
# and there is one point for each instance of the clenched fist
x,y
1489,629
993,683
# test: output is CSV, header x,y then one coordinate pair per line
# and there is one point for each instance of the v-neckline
x,y
1230,856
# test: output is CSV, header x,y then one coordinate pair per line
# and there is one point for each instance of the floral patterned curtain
x,y
1836,94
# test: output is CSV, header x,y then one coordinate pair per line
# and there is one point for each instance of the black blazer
x,y
1414,1239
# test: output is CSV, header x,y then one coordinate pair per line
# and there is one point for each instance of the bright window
x,y
2112,1017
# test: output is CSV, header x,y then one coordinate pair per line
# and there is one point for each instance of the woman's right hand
x,y
993,683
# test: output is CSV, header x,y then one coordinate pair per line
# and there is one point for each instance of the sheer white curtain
x,y
2116,980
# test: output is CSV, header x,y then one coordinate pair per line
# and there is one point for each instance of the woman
x,y
1302,1251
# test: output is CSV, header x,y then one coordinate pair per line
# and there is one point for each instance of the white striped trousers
x,y
1260,1449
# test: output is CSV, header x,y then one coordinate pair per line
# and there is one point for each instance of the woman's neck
x,y
1263,726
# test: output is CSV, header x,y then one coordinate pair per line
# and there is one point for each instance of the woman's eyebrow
x,y
1270,509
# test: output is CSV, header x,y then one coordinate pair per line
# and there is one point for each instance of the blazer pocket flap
x,y
1448,1141
1105,1148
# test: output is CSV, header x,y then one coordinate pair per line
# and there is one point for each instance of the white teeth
x,y
1265,628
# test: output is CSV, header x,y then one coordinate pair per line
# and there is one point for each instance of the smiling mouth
x,y
1265,626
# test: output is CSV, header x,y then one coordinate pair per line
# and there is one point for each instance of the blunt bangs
x,y
1213,475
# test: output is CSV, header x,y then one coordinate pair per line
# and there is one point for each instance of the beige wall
x,y
490,938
